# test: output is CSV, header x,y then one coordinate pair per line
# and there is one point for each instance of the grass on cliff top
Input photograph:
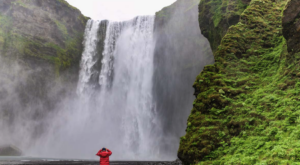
x,y
247,106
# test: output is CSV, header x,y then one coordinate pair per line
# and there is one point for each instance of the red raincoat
x,y
104,156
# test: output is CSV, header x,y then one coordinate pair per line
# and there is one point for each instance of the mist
x,y
133,96
181,52
27,98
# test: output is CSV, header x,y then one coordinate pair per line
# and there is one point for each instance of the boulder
x,y
10,151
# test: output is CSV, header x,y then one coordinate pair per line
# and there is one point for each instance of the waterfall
x,y
112,34
88,56
124,99
134,92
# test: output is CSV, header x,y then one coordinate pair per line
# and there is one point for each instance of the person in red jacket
x,y
104,154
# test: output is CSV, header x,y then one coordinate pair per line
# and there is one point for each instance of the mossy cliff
x,y
216,16
42,33
40,50
247,104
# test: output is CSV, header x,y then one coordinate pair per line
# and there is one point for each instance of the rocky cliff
x,y
47,31
216,16
40,50
247,104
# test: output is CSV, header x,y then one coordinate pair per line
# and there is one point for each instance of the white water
x,y
128,52
116,106
126,98
87,61
120,115
112,33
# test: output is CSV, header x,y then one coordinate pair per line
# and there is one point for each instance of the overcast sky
x,y
119,10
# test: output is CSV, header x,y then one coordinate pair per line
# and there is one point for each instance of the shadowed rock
x,y
291,25
9,151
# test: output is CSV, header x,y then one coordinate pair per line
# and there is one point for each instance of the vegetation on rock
x,y
40,50
246,110
216,16
30,30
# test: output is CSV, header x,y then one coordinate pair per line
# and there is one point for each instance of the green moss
x,y
67,56
216,16
61,27
23,46
62,53
247,105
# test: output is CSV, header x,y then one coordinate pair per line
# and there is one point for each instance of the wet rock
x,y
291,25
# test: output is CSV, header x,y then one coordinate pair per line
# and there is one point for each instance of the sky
x,y
119,10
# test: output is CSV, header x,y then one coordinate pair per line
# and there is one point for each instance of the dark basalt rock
x,y
291,26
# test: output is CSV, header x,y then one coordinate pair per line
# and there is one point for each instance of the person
x,y
104,154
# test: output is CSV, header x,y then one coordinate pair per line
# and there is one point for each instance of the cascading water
x,y
88,57
128,52
134,92
112,34
125,95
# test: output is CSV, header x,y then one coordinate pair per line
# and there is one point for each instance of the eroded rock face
x,y
291,25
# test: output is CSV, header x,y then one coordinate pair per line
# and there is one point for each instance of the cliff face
x,y
216,16
47,31
291,25
246,107
180,54
40,50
